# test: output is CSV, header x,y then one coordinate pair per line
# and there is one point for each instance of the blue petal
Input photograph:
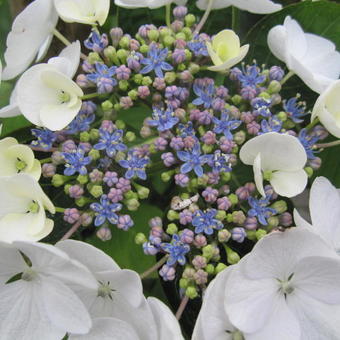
x,y
185,168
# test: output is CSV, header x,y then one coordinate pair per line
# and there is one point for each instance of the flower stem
x,y
154,267
168,14
313,123
90,96
62,38
59,210
205,17
181,307
73,229
45,160
327,145
288,75
235,14
36,148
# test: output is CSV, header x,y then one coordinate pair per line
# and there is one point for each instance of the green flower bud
x,y
280,206
239,137
172,229
67,188
94,154
165,31
58,180
167,175
147,81
170,77
232,256
264,95
84,136
274,87
117,107
260,233
221,215
189,19
111,54
132,204
153,35
138,78
181,36
220,267
140,238
225,176
123,85
168,41
194,68
120,124
233,199
236,99
183,283
144,49
172,215
124,42
239,217
208,251
188,55
185,196
188,33
309,171
133,94
282,116
207,148
273,221
223,235
94,134
122,55
210,269
107,106
130,137
251,234
181,67
229,218
119,156
203,180
143,192
288,124
130,194
80,202
191,292
94,58
96,191
82,179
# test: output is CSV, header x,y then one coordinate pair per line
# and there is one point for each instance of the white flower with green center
x,y
287,286
48,97
278,158
148,3
37,300
22,209
17,158
30,37
324,207
225,51
88,12
253,6
327,109
313,58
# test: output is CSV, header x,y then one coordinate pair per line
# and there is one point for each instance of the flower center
x,y
29,275
236,335
64,97
286,286
105,290
33,207
20,165
267,175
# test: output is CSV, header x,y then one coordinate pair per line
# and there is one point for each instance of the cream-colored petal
x,y
257,168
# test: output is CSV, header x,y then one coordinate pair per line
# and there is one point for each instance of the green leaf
x,y
135,116
122,247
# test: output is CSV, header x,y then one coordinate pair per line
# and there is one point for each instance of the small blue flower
x,y
261,107
206,222
225,125
103,77
186,130
220,162
156,61
251,76
95,42
176,250
198,47
163,119
82,122
46,138
76,162
110,142
135,165
105,210
205,94
308,142
260,209
273,124
193,160
294,109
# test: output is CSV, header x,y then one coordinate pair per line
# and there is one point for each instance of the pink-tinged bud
x,y
180,113
167,273
155,222
86,219
210,194
134,45
187,236
108,125
76,191
315,163
201,277
116,34
160,144
168,159
226,145
251,223
159,84
242,193
225,189
199,262
115,195
126,102
248,93
200,241
182,180
253,128
123,184
96,176
124,222
250,187
180,43
189,142
209,138
213,178
223,235
180,12
189,273
177,26
143,92
123,73
157,231
286,219
57,158
247,117
238,234
149,249
223,203
48,170
104,234
71,215
83,82
186,77
69,146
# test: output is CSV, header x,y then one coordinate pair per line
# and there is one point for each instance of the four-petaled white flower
x,y
324,207
280,159
147,3
313,58
290,283
37,300
30,37
17,158
226,51
22,209
67,62
83,11
253,6
327,109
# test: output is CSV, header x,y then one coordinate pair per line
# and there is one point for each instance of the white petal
x,y
276,255
167,325
91,257
277,42
300,221
257,6
245,298
11,110
22,314
131,3
258,175
324,203
318,277
108,329
289,183
44,48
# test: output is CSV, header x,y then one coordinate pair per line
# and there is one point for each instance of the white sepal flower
x,y
83,11
22,209
253,6
17,158
41,304
226,51
280,158
324,207
313,58
327,108
67,62
147,3
31,33
290,282
48,97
